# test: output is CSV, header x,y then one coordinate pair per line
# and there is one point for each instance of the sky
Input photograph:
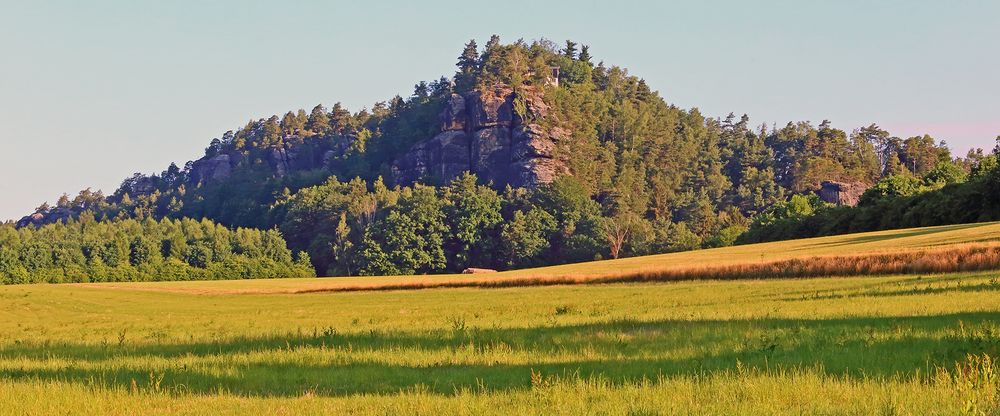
x,y
91,92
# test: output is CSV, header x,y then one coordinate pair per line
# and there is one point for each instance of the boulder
x,y
842,193
530,142
289,159
328,156
278,159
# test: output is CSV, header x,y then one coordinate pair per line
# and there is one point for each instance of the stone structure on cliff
x,y
842,193
483,134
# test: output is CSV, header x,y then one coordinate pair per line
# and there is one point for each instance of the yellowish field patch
x,y
853,244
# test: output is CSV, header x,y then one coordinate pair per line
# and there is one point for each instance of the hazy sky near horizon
x,y
91,92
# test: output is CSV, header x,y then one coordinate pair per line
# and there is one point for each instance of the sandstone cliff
x,y
282,161
840,193
482,133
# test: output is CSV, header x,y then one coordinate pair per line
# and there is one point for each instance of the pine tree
x,y
468,66
585,54
570,50
318,122
493,44
421,91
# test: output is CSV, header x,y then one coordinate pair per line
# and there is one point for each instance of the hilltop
x,y
530,154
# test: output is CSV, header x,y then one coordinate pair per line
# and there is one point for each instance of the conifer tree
x,y
468,66
585,54
570,50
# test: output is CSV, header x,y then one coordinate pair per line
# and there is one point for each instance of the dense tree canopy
x,y
945,194
87,250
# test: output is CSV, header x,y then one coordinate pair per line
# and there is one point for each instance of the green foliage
x,y
946,172
127,250
784,217
891,187
680,238
525,238
899,201
578,219
727,236
409,238
472,213
987,165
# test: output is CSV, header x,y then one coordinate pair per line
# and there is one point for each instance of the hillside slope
x,y
895,241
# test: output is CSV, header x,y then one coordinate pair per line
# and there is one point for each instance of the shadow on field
x,y
905,287
441,361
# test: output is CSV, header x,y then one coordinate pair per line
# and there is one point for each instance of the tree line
x,y
945,194
84,249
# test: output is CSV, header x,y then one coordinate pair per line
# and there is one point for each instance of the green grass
x,y
859,345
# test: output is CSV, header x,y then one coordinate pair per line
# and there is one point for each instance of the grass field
x,y
899,344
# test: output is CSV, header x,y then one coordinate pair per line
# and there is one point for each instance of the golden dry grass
x,y
918,250
959,259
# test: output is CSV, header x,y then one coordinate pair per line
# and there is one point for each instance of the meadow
x,y
915,343
672,266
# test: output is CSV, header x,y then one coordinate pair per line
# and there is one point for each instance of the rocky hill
x,y
625,165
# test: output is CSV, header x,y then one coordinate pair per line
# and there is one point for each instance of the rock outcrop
x,y
214,169
842,193
283,160
54,215
483,134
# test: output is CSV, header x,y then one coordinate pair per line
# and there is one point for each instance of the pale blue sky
x,y
91,92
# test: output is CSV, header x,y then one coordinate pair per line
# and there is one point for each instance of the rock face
x,y
282,160
214,169
842,193
38,219
481,133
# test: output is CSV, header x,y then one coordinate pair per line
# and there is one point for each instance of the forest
x,y
87,250
643,176
945,195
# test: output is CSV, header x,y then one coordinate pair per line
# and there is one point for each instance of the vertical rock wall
x,y
480,133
